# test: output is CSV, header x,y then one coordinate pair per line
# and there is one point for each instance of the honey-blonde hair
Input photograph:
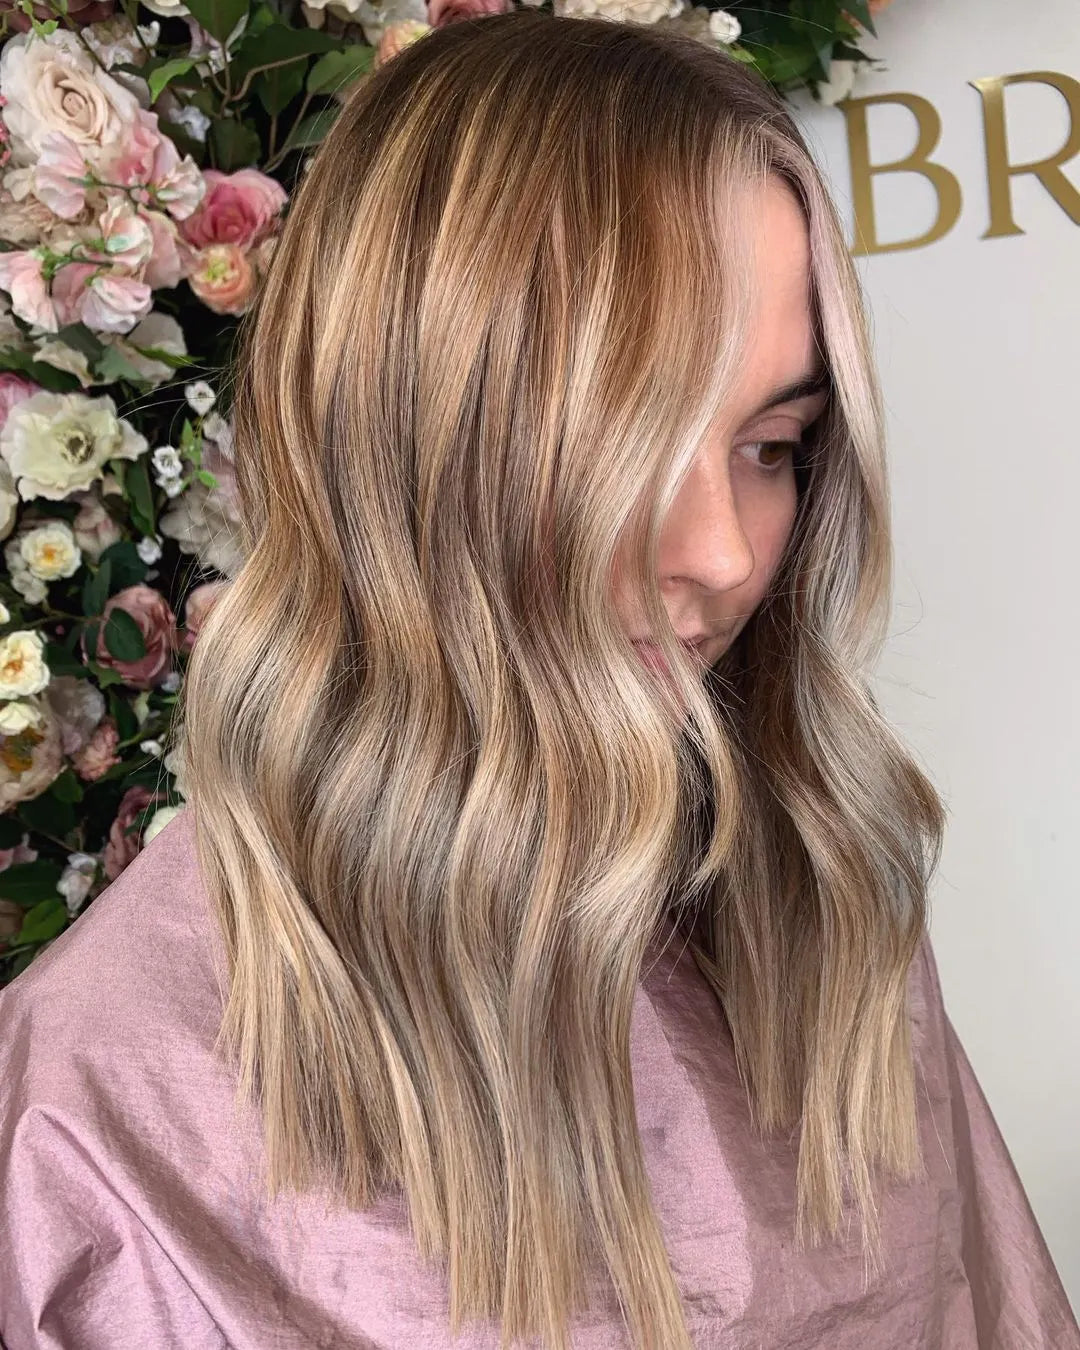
x,y
441,807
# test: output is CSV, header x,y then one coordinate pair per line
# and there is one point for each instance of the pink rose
x,y
125,843
21,276
442,12
397,36
239,208
98,755
157,623
13,389
197,606
223,278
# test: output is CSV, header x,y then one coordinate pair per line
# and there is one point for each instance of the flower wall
x,y
147,156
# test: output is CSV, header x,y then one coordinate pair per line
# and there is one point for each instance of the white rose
x,y
724,27
57,444
839,85
17,716
22,664
158,821
9,501
50,551
621,11
53,84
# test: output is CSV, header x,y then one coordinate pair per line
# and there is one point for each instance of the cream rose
x,y
50,551
58,444
22,664
17,716
54,84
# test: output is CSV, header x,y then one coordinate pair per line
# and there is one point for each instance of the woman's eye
x,y
774,453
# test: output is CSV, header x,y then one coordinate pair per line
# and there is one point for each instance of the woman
x,y
517,968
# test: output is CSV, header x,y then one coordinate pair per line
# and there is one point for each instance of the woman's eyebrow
x,y
788,393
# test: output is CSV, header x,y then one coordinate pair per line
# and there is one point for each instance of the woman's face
x,y
726,532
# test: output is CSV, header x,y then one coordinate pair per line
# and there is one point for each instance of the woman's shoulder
x,y
138,964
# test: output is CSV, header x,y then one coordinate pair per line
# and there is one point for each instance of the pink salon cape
x,y
131,1219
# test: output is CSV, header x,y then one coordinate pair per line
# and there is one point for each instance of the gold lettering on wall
x,y
1047,171
944,183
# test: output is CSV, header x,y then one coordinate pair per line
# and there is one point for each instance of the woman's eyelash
x,y
797,449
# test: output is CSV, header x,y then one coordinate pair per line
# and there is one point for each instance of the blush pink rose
x,y
238,208
197,606
223,278
157,623
13,389
125,843
442,12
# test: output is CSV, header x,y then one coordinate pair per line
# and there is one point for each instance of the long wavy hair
x,y
441,806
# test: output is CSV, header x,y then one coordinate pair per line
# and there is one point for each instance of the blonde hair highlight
x,y
441,808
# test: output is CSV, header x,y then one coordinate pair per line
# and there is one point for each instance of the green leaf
x,y
11,833
61,661
66,787
159,78
115,365
96,587
49,815
123,636
127,724
56,381
44,921
219,17
313,128
206,477
27,883
279,42
335,70
167,358
275,89
139,495
235,145
80,337
128,569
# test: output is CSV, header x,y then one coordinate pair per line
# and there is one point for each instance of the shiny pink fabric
x,y
130,1215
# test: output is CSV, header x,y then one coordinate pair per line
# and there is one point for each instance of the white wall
x,y
977,345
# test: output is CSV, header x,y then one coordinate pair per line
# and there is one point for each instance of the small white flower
x,y
22,664
839,85
149,548
17,716
5,613
200,396
169,685
76,880
167,462
724,27
151,747
192,120
50,551
173,487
